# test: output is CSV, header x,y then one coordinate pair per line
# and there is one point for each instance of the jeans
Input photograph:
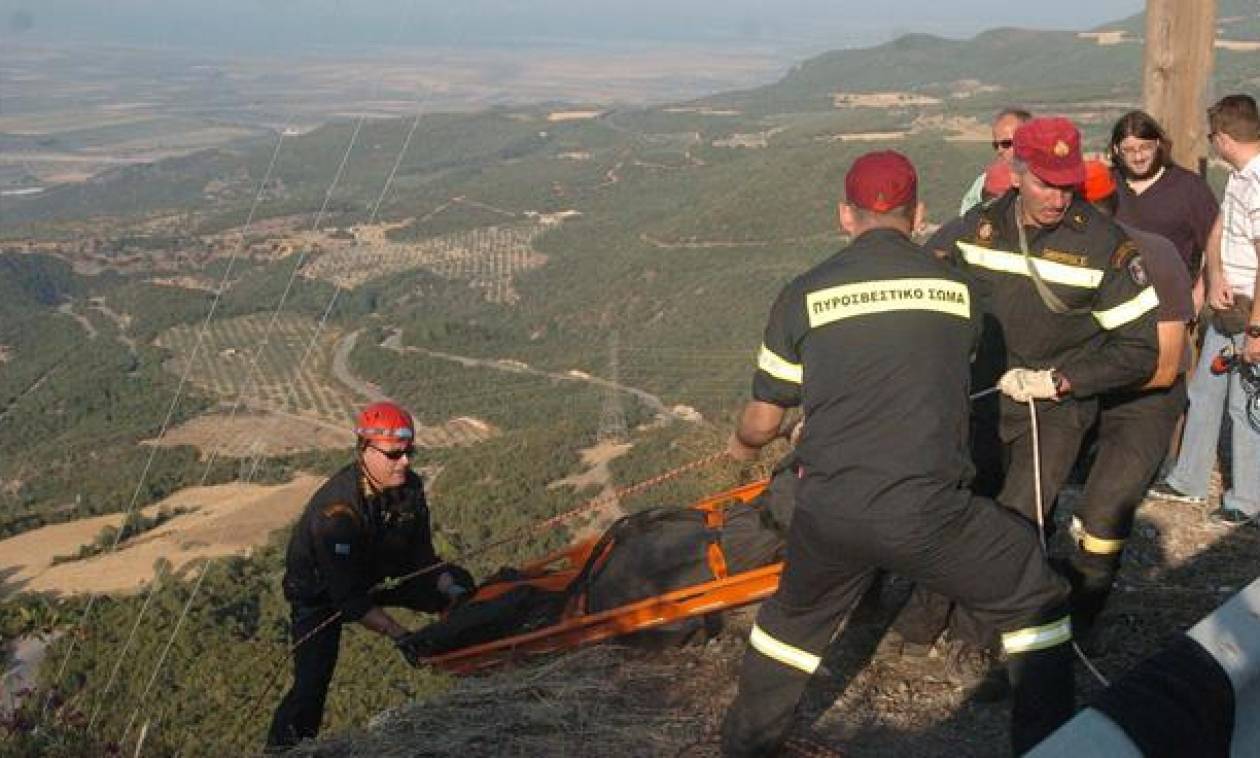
x,y
1211,397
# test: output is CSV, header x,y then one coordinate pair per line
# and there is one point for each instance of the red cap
x,y
384,422
881,181
997,178
1051,148
1099,184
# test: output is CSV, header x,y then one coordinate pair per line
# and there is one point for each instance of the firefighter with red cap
x,y
875,344
367,523
1134,425
1069,315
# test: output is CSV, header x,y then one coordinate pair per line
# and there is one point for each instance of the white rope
x,y
253,366
291,384
252,369
170,411
1038,502
118,660
162,659
1041,528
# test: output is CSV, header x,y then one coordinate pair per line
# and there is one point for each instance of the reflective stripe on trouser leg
x,y
1041,637
819,586
1041,694
1094,544
772,678
1040,669
782,652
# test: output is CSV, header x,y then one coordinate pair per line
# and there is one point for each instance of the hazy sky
x,y
285,25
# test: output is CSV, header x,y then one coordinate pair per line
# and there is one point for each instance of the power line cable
x,y
311,344
170,412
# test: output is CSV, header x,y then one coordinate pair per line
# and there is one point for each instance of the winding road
x,y
654,403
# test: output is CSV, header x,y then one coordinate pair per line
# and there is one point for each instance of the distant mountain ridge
x,y
1013,59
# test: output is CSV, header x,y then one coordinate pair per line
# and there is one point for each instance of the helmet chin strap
x,y
372,481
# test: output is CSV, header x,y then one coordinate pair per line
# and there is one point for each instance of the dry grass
x,y
613,701
226,519
601,700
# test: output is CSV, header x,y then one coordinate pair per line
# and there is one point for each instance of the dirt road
x,y
657,406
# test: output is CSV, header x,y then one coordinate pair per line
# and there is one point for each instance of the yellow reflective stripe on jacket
x,y
769,362
885,296
1014,263
783,652
1038,637
1122,314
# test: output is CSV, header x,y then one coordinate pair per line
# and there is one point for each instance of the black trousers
x,y
1062,427
957,545
1134,430
300,712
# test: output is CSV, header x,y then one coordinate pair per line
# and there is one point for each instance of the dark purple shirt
x,y
1179,206
1168,276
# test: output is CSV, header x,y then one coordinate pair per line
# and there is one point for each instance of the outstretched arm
x,y
758,426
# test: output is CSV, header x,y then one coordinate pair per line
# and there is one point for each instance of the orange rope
x,y
591,504
541,525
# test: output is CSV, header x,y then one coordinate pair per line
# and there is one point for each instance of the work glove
x,y
1024,384
457,584
412,651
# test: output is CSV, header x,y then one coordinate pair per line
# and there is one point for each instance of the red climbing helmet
x,y
384,422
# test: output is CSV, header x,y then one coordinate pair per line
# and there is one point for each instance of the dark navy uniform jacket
x,y
1107,341
349,538
875,344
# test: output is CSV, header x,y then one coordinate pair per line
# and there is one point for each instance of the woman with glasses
x,y
368,522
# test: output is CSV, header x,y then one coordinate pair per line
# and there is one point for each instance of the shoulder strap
x,y
1051,300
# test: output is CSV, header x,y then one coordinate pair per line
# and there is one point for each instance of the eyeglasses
x,y
1145,149
1003,144
394,455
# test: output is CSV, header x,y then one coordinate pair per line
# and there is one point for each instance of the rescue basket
x,y
647,571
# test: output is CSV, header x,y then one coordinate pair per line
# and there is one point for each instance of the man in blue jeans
x,y
1232,285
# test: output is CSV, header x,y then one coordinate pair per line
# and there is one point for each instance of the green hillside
x,y
680,224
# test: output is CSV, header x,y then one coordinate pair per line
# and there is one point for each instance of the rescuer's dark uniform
x,y
1133,433
1108,341
875,344
347,540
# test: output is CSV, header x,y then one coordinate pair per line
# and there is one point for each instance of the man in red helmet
x,y
368,522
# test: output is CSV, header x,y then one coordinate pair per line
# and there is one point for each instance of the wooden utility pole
x,y
1177,75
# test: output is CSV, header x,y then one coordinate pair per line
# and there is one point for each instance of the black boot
x,y
1042,693
1092,576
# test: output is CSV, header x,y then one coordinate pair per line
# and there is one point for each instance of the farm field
x,y
220,520
568,293
487,259
285,368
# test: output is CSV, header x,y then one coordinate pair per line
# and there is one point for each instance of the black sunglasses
x,y
1003,144
394,455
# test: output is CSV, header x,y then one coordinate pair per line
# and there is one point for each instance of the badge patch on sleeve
x,y
984,231
1137,272
341,548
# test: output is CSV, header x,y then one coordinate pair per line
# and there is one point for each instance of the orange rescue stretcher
x,y
576,626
